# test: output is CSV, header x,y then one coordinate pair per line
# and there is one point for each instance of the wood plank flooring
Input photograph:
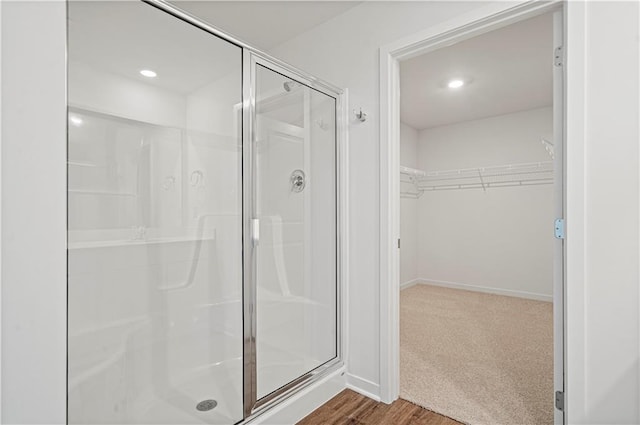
x,y
349,407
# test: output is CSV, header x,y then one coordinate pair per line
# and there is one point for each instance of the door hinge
x,y
398,243
560,400
557,56
559,228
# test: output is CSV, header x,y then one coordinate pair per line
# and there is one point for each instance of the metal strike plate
x,y
560,400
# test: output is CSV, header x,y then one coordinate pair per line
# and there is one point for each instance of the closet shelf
x,y
412,172
413,175
527,174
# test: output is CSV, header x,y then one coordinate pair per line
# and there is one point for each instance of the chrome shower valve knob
x,y
298,181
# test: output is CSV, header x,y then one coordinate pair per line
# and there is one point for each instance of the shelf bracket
x,y
481,180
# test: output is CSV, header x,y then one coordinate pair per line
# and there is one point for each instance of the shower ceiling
x,y
114,52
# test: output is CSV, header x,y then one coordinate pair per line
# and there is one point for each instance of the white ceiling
x,y
510,70
122,37
265,24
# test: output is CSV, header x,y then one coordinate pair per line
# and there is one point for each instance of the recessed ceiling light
x,y
455,84
148,73
77,121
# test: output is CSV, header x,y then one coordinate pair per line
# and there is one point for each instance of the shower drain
x,y
206,405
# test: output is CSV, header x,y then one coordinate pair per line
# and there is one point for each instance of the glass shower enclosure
x,y
202,221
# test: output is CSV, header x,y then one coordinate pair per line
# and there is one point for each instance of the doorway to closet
x,y
480,178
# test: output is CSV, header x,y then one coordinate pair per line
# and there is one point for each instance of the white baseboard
x,y
409,283
364,387
294,409
487,289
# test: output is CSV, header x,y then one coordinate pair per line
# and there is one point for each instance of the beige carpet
x,y
477,358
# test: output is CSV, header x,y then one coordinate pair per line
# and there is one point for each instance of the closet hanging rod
x,y
508,168
486,185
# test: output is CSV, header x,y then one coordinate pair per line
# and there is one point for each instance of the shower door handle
x,y
255,231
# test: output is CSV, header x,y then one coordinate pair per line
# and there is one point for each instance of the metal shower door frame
x,y
250,62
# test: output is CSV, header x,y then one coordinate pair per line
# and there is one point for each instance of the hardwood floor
x,y
349,407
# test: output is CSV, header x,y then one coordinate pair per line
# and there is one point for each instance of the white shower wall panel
x,y
322,283
155,219
122,310
101,91
207,108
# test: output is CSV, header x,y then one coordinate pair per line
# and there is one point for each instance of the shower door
x,y
155,219
202,227
293,230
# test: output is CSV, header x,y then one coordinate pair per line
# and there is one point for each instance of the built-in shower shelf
x,y
100,192
84,164
127,243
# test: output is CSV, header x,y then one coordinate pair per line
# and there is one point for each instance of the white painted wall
x,y
344,51
603,338
0,215
501,239
408,209
34,282
603,304
40,28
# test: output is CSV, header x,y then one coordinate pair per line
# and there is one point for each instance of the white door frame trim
x,y
463,27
